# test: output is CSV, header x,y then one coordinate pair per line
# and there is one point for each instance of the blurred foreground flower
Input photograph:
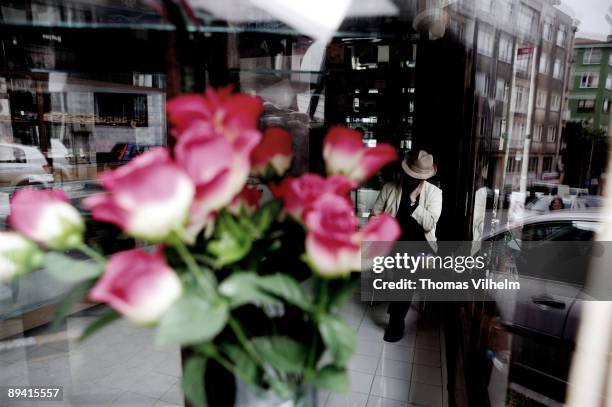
x,y
47,217
273,155
139,285
18,256
220,110
249,198
298,193
333,242
149,198
345,154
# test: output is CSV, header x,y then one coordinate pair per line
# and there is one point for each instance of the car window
x,y
563,231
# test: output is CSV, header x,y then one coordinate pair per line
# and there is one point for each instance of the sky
x,y
592,16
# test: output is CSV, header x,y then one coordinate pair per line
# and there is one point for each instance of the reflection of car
x,y
540,321
542,203
23,165
120,154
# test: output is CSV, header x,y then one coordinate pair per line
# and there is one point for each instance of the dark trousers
x,y
398,309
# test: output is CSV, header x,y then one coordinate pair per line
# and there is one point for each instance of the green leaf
x,y
75,296
232,242
191,320
243,288
281,352
244,366
339,337
287,288
265,215
331,378
193,381
69,270
98,324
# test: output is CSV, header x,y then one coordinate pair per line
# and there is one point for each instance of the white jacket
x,y
426,213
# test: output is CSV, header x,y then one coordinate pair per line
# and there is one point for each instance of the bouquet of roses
x,y
253,287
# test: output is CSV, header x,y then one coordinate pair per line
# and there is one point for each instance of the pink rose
x,y
139,285
301,192
221,110
218,165
273,154
249,198
345,154
333,242
149,198
47,217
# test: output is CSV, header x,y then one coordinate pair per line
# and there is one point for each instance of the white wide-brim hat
x,y
420,166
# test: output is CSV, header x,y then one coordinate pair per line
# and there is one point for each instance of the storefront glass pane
x,y
499,92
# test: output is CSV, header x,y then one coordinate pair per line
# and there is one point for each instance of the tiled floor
x,y
406,373
120,366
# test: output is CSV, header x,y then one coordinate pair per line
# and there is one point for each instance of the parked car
x,y
536,327
23,165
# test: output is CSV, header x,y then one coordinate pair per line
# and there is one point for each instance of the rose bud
x,y
221,110
47,217
298,193
149,198
18,256
344,153
273,155
333,242
139,285
249,198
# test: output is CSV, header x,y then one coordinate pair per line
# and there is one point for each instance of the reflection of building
x,y
521,65
591,84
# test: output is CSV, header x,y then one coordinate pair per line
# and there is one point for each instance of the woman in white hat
x,y
416,204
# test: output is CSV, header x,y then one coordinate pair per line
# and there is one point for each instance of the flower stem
x,y
91,253
240,335
192,265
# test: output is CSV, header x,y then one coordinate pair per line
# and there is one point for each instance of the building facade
x,y
591,83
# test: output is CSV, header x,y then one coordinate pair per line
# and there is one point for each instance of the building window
x,y
541,99
522,62
586,105
482,84
511,165
533,164
121,109
609,82
606,106
547,164
520,99
520,128
544,63
592,56
547,31
589,80
526,19
558,69
610,59
555,102
561,36
501,90
485,42
505,49
537,132
551,137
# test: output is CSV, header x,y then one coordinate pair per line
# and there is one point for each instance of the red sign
x,y
524,51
